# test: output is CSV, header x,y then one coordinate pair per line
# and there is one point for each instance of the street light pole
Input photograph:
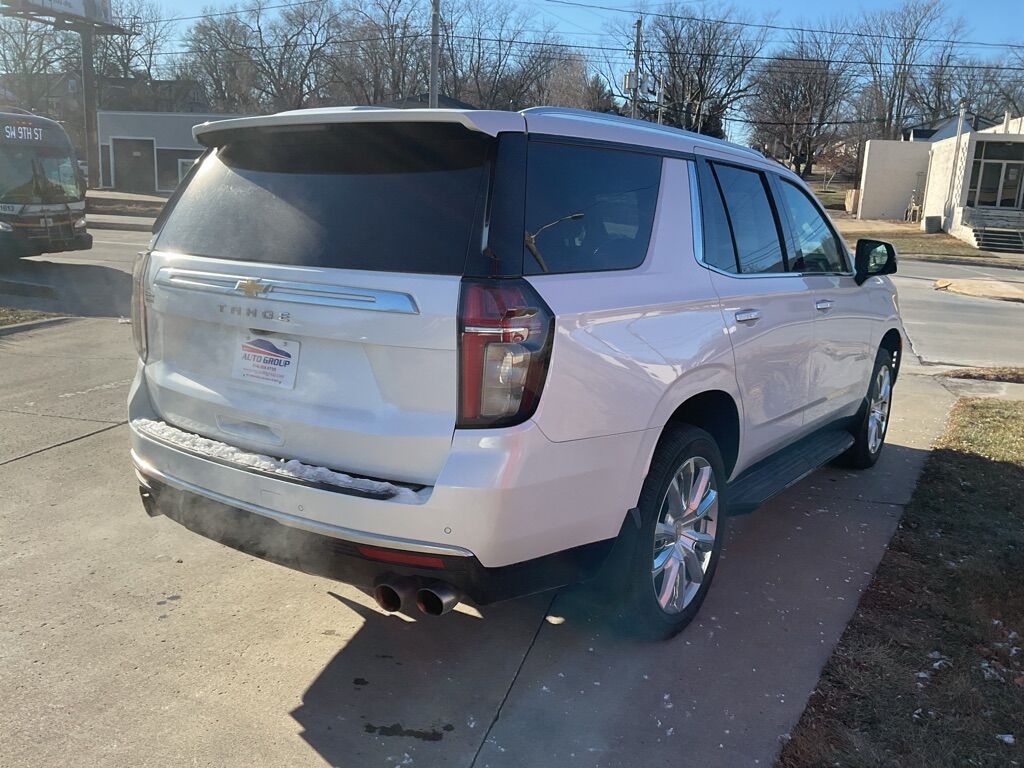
x,y
435,50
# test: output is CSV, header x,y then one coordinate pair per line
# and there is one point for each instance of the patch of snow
x,y
285,468
1006,738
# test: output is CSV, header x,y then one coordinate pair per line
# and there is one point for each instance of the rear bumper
x,y
341,559
503,498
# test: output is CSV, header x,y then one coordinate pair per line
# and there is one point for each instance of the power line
x,y
571,49
233,12
785,28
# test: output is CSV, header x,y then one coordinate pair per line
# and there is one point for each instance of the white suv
x,y
443,354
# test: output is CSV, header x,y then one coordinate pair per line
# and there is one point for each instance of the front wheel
x,y
673,555
869,437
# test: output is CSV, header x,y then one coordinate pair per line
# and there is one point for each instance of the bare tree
x,y
706,59
800,96
258,59
29,53
138,51
893,44
381,52
572,84
491,59
228,74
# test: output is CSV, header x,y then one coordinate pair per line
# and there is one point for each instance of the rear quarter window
x,y
588,209
388,197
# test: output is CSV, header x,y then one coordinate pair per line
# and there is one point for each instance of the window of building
x,y
997,175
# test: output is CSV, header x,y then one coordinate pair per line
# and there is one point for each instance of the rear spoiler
x,y
490,122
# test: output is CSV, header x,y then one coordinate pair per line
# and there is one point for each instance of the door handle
x,y
748,316
823,305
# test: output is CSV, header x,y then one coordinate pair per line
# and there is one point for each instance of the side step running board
x,y
776,473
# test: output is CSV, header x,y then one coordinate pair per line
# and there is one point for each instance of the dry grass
x,y
833,199
117,207
10,316
1004,375
930,670
907,238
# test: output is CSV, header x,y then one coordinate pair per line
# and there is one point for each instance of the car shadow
x,y
551,673
425,690
84,290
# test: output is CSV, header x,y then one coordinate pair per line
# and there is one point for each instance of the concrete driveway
x,y
126,641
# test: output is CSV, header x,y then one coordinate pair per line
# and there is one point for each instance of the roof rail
x,y
643,124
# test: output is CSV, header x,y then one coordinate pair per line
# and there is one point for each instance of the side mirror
x,y
874,257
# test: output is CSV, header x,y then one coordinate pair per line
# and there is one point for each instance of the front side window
x,y
588,209
755,231
817,247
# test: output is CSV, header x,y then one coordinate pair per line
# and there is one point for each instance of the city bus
x,y
42,197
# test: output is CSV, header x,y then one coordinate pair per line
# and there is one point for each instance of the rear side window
x,y
588,209
401,198
818,248
754,228
718,246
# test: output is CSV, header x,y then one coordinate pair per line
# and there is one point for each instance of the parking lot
x,y
129,641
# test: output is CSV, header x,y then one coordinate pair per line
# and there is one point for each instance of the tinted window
x,y
405,198
751,218
588,209
817,249
718,247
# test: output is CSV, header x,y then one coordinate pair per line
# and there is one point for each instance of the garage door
x,y
134,165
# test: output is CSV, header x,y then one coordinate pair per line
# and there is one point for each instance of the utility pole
x,y
636,66
661,98
435,49
92,141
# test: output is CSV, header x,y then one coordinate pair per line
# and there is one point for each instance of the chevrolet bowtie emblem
x,y
251,288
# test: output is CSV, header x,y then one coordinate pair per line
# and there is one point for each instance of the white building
x,y
970,184
148,151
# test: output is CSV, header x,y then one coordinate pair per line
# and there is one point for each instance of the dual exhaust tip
x,y
433,598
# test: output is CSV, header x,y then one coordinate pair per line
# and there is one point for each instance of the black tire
x,y
639,611
863,453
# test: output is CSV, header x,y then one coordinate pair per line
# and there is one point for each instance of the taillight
x,y
505,337
139,305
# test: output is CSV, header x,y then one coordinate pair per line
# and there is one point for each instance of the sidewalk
x,y
95,221
110,194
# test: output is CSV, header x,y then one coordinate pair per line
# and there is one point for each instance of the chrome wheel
x,y
878,416
684,535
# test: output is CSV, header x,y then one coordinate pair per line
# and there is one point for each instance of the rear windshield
x,y
397,198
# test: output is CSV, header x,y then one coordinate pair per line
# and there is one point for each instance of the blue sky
x,y
998,21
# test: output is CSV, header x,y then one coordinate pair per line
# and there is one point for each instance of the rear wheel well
x,y
893,343
716,413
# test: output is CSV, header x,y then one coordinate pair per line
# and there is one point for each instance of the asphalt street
x,y
946,328
129,641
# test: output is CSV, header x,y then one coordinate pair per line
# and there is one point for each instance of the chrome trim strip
x,y
294,521
491,330
696,216
319,294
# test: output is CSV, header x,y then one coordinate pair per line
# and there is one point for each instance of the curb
x,y
145,226
964,261
7,330
956,286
